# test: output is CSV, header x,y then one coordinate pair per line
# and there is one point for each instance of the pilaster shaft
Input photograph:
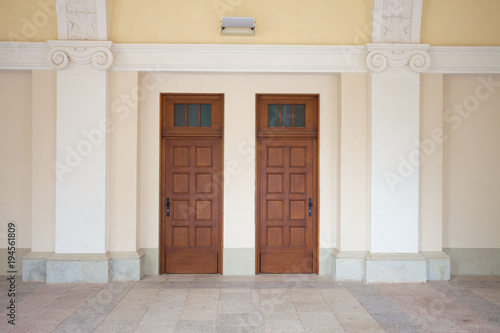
x,y
395,107
81,162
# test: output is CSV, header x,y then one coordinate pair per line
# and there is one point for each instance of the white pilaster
x,y
395,101
81,162
395,128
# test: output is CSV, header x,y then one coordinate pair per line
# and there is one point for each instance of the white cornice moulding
x,y
80,52
253,58
240,58
398,55
465,59
24,56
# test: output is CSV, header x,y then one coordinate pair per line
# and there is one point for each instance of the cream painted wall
x,y
239,147
15,154
123,174
444,22
431,167
43,190
472,161
354,163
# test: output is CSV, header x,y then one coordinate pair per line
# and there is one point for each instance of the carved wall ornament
x,y
97,53
398,55
82,19
396,21
81,16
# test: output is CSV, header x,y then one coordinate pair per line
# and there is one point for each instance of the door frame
x,y
167,132
308,133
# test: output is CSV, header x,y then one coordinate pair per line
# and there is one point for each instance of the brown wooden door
x,y
286,227
191,189
192,215
287,184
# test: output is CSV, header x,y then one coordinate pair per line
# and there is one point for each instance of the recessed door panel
x,y
203,183
180,236
297,183
181,157
203,209
203,236
181,182
203,156
274,156
274,183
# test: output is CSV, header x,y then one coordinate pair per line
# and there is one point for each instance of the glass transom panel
x,y
193,115
286,115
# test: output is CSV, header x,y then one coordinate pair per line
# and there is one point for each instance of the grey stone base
x,y
72,268
363,266
438,266
396,268
88,268
20,254
349,266
127,266
35,267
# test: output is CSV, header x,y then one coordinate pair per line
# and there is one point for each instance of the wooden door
x,y
192,203
191,185
287,185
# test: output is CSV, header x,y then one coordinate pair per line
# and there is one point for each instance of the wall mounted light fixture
x,y
240,26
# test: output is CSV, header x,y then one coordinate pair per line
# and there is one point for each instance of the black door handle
x,y
168,206
310,207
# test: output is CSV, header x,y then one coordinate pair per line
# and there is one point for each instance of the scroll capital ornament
x,y
398,55
80,52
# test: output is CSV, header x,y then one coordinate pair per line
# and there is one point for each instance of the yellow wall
x,y
28,20
461,22
444,22
278,21
471,171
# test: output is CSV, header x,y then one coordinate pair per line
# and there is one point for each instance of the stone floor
x,y
265,303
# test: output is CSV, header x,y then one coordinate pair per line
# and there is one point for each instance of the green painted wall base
x,y
474,261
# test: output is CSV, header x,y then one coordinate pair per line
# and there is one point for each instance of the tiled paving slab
x,y
264,303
